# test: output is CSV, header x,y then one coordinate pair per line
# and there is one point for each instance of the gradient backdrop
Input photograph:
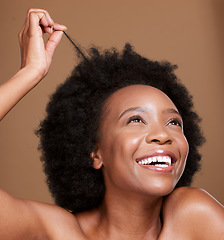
x,y
187,33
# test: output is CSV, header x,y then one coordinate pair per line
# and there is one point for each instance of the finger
x,y
21,34
44,20
30,10
47,20
25,25
36,10
53,42
34,23
55,27
59,27
48,30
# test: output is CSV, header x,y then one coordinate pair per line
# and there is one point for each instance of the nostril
x,y
155,140
169,141
161,141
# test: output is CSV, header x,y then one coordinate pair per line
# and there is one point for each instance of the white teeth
x,y
159,165
161,161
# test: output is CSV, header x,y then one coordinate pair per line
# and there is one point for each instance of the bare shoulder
x,y
58,223
25,219
197,213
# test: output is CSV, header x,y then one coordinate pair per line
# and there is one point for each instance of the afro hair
x,y
69,131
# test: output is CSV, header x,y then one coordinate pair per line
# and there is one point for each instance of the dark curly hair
x,y
69,132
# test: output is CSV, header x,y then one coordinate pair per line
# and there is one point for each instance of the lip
x,y
168,169
157,168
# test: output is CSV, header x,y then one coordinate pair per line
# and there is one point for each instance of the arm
x,y
26,220
18,220
23,219
36,57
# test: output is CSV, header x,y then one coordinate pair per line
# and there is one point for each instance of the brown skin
x,y
35,57
155,127
134,206
134,194
188,214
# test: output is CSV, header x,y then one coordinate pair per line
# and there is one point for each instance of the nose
x,y
160,135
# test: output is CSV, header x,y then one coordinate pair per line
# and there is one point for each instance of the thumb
x,y
53,42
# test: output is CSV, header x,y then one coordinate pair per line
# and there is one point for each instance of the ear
x,y
97,159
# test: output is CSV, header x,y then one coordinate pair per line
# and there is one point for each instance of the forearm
x,y
36,57
12,91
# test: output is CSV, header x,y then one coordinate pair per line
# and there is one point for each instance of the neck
x,y
130,217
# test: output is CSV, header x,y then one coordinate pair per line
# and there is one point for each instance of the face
x,y
142,147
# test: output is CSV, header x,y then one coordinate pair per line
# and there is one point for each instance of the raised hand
x,y
34,53
36,57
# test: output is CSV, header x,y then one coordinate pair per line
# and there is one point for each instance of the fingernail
x,y
52,29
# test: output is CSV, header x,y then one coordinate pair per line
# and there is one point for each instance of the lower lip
x,y
168,169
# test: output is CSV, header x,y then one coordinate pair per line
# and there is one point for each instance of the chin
x,y
161,188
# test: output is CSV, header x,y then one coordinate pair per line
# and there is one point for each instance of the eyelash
x,y
137,119
176,122
134,118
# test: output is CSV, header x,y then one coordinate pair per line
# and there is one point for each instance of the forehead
x,y
136,96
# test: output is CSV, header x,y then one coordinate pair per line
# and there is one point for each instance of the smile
x,y
157,161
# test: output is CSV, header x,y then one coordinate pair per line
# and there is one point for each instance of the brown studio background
x,y
187,33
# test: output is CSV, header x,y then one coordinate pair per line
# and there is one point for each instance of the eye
x,y
135,119
175,122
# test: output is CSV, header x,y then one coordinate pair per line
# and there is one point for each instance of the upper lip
x,y
159,153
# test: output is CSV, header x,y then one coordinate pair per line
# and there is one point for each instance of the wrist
x,y
32,75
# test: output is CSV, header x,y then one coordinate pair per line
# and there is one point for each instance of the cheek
x,y
183,147
128,144
118,159
119,147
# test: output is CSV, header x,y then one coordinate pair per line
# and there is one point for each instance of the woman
x,y
115,143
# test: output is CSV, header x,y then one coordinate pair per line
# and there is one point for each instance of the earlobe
x,y
97,160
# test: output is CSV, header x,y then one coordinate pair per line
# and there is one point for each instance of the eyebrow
x,y
143,109
140,109
171,110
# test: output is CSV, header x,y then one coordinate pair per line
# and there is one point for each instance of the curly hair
x,y
69,131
